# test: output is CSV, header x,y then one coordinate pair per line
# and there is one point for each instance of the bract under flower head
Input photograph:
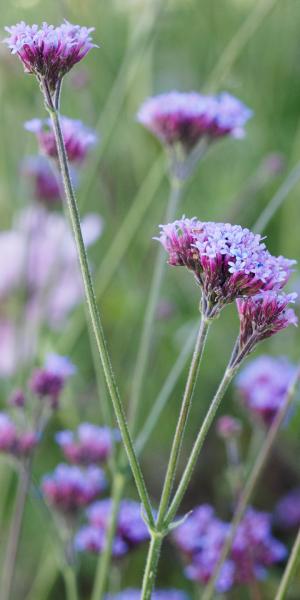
x,y
263,385
228,261
78,138
49,52
185,118
263,315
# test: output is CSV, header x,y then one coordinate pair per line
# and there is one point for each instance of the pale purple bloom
x,y
134,594
49,52
49,381
45,183
89,444
263,315
69,488
59,365
131,529
185,118
17,398
78,138
92,539
228,261
287,512
263,385
16,440
228,427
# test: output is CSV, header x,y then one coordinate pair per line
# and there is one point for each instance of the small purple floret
x,y
287,512
134,594
89,444
69,488
228,427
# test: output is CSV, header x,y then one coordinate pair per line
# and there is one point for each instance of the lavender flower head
x,y
133,594
49,52
228,427
131,528
45,185
287,511
263,315
48,382
78,138
228,262
263,385
185,118
18,442
89,444
69,489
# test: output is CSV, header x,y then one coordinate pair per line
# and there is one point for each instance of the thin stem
x,y
15,532
289,570
105,557
165,393
251,482
149,317
93,309
183,416
151,565
187,474
70,583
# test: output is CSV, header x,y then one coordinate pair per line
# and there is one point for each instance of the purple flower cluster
x,y
228,262
287,512
49,381
133,594
49,52
77,137
45,184
16,441
69,488
89,444
263,385
131,529
201,537
185,118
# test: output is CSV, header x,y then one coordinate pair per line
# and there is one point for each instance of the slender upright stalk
x,y
70,583
15,532
151,565
105,557
183,416
93,308
251,482
149,317
289,570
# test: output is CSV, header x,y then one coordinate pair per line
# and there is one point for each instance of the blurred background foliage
x,y
251,49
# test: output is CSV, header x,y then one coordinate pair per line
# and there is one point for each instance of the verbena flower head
x,y
263,315
131,528
263,385
49,381
49,52
228,261
185,118
44,182
77,137
134,594
287,511
18,442
17,398
89,444
202,536
228,427
69,488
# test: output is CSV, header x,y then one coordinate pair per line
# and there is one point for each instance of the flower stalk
x,y
289,570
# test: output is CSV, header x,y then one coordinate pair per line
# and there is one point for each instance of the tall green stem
x,y
183,416
149,317
251,482
70,583
289,570
93,308
105,557
15,532
151,565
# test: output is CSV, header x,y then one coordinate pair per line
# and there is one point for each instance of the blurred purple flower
x,y
228,427
89,444
133,594
49,52
263,385
287,511
185,118
45,184
77,137
69,488
131,529
228,261
49,381
14,440
17,399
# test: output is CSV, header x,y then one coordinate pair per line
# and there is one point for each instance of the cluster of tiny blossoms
x,y
45,183
133,594
202,536
49,52
185,118
287,512
20,431
263,385
231,263
69,489
89,444
130,532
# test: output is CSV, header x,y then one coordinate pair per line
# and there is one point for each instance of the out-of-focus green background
x,y
251,49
